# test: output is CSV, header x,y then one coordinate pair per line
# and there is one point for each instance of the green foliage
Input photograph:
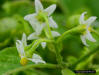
x,y
7,25
11,28
67,72
9,60
22,7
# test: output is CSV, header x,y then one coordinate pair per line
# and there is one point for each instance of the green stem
x,y
52,66
84,57
35,45
58,56
62,37
71,31
46,33
48,26
50,1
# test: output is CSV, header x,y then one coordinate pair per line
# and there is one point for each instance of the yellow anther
x,y
89,29
23,61
40,16
84,26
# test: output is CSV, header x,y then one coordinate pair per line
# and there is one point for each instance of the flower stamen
x,y
23,61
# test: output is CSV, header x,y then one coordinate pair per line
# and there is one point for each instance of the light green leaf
x,y
9,60
67,72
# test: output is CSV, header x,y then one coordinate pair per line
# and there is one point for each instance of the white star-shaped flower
x,y
37,22
86,23
21,44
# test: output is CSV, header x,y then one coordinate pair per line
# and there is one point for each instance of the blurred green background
x,y
12,26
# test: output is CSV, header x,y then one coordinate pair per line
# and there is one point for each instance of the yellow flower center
x,y
89,29
40,17
84,26
23,61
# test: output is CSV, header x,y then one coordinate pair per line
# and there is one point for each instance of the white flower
x,y
55,34
37,36
36,21
87,23
21,44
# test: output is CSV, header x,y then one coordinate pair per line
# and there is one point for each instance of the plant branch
x,y
84,57
35,45
73,30
52,66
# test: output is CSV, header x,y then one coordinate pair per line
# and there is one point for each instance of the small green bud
x,y
73,21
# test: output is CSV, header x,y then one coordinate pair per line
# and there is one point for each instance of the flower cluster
x,y
38,22
21,44
43,25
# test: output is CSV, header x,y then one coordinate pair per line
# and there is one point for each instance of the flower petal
x,y
33,21
30,17
36,25
33,36
38,6
52,23
50,9
43,44
90,20
24,41
55,34
83,39
39,28
89,36
37,59
20,48
81,20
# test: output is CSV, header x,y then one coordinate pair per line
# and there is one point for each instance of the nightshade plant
x,y
86,24
44,33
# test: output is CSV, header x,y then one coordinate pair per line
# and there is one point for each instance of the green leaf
x,y
71,6
10,64
67,72
9,60
12,28
22,7
8,31
7,25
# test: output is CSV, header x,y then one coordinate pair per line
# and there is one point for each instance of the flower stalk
x,y
47,23
36,44
77,29
85,57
